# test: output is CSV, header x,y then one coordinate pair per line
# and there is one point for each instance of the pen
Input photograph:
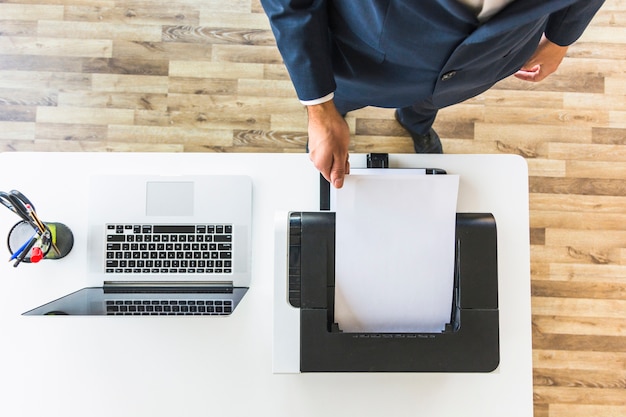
x,y
34,217
22,254
41,226
21,248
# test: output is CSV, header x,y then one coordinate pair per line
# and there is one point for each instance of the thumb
x,y
338,172
336,178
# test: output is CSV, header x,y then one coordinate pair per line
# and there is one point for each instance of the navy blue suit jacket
x,y
393,53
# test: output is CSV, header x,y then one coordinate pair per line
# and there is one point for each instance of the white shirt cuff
x,y
318,100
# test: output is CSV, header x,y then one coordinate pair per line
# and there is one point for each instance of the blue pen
x,y
22,255
23,247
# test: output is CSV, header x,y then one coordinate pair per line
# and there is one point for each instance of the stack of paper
x,y
395,243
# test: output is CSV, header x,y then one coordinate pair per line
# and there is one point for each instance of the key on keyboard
x,y
168,307
169,249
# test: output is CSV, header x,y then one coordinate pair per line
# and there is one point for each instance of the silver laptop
x,y
164,245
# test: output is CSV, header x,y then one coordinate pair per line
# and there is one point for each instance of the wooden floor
x,y
205,76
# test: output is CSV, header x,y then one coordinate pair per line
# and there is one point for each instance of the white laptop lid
x,y
171,200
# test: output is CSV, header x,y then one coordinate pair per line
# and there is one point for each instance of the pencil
x,y
22,254
21,248
42,228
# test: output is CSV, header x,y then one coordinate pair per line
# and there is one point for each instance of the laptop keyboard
x,y
169,249
168,307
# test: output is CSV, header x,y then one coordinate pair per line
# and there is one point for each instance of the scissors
x,y
20,205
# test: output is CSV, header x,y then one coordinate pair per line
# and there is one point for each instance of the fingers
x,y
545,61
338,171
329,138
332,167
532,74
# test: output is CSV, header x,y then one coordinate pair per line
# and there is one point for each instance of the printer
x,y
307,338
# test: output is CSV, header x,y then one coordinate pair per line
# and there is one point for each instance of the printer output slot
x,y
455,316
470,343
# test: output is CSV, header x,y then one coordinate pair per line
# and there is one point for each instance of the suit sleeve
x,y
301,31
567,25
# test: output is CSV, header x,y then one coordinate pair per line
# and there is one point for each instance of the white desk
x,y
93,366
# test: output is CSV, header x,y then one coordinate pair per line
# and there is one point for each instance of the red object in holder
x,y
36,254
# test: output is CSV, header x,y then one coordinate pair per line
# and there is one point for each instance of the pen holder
x,y
56,244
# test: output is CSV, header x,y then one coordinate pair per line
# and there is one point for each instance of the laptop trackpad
x,y
169,198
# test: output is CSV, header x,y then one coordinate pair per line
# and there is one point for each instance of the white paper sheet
x,y
395,240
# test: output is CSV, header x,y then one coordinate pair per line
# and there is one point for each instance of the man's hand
x,y
329,138
544,61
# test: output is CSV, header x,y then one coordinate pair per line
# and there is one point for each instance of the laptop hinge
x,y
168,287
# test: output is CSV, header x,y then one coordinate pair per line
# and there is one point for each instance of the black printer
x,y
469,343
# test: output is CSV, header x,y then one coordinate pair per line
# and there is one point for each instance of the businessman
x,y
413,55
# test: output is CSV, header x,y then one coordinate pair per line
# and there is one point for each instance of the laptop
x,y
164,245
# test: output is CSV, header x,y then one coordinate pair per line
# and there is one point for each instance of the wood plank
x,y
593,361
270,139
41,80
71,132
217,36
27,45
617,119
17,27
578,220
98,30
585,272
134,66
246,54
612,100
596,169
540,167
170,51
30,11
226,70
113,101
232,105
574,254
97,116
586,238
599,34
541,115
10,130
609,136
584,410
560,82
615,86
289,122
592,343
98,3
584,307
577,395
153,84
135,12
585,186
611,379
27,98
231,6
17,113
579,325
390,144
597,50
46,64
210,86
264,88
523,132
182,136
577,202
234,20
